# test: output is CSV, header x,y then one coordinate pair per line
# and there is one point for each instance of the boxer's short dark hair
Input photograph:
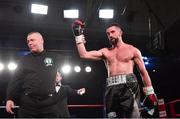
x,y
113,24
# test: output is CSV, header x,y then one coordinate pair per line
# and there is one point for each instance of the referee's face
x,y
35,43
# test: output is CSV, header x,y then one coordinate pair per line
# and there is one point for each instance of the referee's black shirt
x,y
35,75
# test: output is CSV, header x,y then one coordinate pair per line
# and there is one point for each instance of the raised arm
x,y
92,55
78,28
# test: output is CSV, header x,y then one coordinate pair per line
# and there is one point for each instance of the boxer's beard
x,y
113,41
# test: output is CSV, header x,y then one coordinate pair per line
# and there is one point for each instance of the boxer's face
x,y
35,42
113,34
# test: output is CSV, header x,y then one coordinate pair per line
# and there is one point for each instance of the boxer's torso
x,y
119,60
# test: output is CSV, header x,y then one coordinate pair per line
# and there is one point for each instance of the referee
x,y
34,81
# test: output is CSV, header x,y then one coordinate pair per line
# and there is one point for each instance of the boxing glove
x,y
149,92
78,28
153,99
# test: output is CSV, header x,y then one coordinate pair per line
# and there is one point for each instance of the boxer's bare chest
x,y
119,54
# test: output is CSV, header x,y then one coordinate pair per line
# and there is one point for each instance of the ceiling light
x,y
106,13
39,9
71,13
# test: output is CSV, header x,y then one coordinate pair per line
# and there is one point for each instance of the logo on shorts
x,y
48,61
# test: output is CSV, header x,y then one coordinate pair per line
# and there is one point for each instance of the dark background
x,y
151,25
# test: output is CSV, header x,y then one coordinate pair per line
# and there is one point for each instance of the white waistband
x,y
118,79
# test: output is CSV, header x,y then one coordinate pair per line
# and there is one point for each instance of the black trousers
x,y
31,107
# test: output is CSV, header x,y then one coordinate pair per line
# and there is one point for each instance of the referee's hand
x,y
10,106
